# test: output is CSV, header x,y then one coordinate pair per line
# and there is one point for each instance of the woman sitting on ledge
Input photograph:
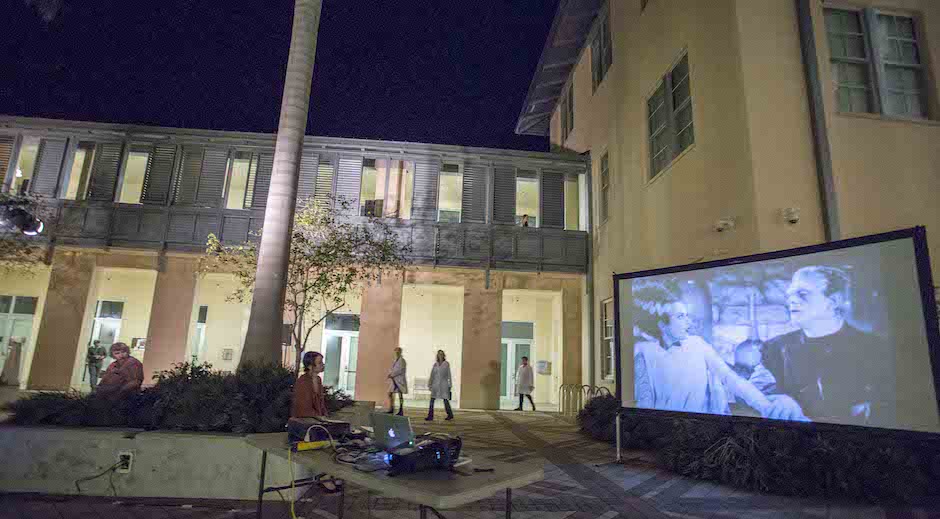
x,y
123,377
309,399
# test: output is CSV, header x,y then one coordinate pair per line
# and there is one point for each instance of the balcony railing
x,y
177,228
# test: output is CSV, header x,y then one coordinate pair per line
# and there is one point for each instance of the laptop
x,y
391,431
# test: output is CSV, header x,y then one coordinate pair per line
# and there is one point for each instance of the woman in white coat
x,y
397,383
440,384
525,383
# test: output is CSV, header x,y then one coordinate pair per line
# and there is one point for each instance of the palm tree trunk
x,y
263,341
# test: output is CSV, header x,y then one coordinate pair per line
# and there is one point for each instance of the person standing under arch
x,y
441,385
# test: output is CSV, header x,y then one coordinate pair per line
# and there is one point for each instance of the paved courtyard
x,y
580,483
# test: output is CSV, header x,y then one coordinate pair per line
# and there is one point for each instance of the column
x,y
482,330
571,310
379,327
170,316
62,319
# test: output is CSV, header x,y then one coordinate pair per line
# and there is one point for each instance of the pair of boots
x,y
450,412
530,401
401,404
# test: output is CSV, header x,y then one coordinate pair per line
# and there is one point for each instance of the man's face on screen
x,y
679,321
807,300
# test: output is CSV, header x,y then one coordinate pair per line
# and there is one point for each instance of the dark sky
x,y
441,71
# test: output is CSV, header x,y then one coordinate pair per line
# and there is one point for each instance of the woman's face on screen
x,y
679,321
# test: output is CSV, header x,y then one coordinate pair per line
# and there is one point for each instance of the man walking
x,y
93,359
525,383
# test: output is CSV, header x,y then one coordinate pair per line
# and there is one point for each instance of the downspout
x,y
817,112
592,350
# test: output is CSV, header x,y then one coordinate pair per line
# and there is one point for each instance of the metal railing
x,y
573,397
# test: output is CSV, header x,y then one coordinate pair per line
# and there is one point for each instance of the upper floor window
x,y
450,194
527,198
669,113
240,180
25,165
572,203
602,53
387,188
135,170
605,187
567,113
77,185
876,63
607,341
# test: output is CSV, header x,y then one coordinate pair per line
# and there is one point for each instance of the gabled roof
x,y
569,32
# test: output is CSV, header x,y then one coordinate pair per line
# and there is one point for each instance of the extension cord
x,y
310,446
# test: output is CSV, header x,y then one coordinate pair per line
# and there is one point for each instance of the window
x,y
22,305
605,187
239,188
110,309
567,113
572,203
203,314
527,197
134,172
77,186
450,194
25,165
387,188
669,112
876,63
602,53
607,341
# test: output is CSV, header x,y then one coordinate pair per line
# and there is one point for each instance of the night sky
x,y
439,71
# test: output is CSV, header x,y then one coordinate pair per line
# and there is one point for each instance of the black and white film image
x,y
809,338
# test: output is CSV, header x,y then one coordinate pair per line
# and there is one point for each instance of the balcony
x,y
186,229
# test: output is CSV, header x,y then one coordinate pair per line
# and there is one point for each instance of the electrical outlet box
x,y
126,460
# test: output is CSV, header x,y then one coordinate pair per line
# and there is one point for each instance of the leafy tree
x,y
330,257
19,253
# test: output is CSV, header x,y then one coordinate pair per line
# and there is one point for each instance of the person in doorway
x,y
397,383
441,385
123,377
93,359
525,383
309,398
525,220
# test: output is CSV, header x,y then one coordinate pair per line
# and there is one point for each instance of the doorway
x,y
106,327
517,342
16,327
340,352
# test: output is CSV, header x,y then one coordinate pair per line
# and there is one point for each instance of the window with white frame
x,y
135,170
572,203
602,54
387,188
607,340
450,194
527,198
605,188
876,62
669,113
567,113
239,182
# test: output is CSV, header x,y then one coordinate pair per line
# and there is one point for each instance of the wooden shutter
x,y
553,200
324,189
212,178
424,205
504,194
48,165
259,197
473,205
105,171
156,189
6,152
348,181
307,184
188,177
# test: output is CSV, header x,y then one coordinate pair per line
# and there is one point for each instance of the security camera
x,y
791,215
724,224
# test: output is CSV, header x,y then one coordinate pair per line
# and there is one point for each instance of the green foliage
x,y
20,254
775,458
189,397
330,257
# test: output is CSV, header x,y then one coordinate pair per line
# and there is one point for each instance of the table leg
x,y
342,501
264,466
508,503
422,512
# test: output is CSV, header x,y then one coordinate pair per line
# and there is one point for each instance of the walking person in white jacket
x,y
525,383
440,384
397,383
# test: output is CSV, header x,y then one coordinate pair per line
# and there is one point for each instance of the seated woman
x,y
123,377
309,399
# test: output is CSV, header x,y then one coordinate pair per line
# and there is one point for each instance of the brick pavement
x,y
580,483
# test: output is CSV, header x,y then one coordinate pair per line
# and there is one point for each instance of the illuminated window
x,y
450,198
239,189
134,172
607,341
25,165
387,188
81,168
572,204
527,197
669,114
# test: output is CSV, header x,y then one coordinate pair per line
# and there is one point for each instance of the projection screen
x,y
835,333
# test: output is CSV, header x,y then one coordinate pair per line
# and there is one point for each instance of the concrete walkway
x,y
580,484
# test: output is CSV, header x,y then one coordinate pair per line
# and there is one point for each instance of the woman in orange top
x,y
309,399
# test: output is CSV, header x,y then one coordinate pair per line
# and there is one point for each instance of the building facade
x,y
128,210
784,122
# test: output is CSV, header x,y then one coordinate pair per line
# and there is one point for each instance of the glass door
x,y
512,351
340,352
16,328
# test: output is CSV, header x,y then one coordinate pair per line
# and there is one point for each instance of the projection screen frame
x,y
918,235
